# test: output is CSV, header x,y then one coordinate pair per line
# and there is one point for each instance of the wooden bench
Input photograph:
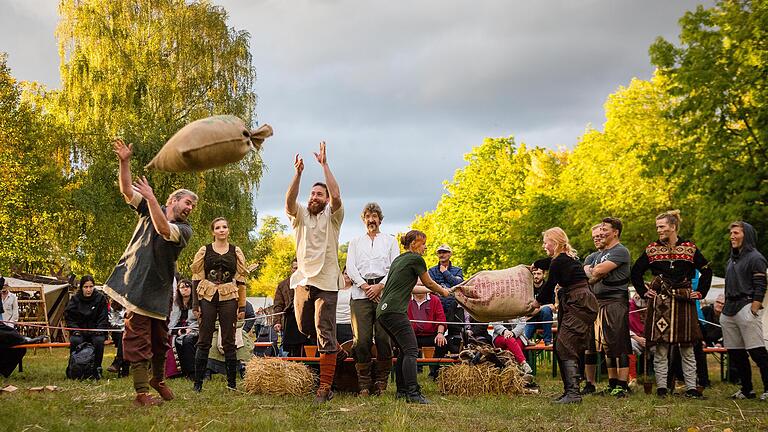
x,y
722,357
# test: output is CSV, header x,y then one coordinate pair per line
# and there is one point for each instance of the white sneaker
x,y
740,395
527,368
764,397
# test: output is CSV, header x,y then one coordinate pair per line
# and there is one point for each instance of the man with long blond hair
x,y
578,307
672,316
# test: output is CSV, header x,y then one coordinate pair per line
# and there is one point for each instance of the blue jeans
x,y
545,314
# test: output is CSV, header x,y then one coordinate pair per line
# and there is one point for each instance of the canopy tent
x,y
54,296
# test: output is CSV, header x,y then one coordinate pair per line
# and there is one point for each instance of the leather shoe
x,y
146,400
164,391
324,394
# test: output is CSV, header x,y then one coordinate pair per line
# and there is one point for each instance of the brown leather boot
x,y
327,371
363,378
383,368
146,400
162,388
158,378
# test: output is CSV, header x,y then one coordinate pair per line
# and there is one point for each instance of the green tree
x,y
607,173
270,230
275,267
32,185
142,70
715,78
483,215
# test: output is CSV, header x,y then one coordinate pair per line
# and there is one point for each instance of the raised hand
x,y
298,164
122,150
321,158
141,185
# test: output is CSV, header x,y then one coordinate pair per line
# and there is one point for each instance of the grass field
x,y
105,406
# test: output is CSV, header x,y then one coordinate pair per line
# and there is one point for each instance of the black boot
x,y
201,364
413,395
232,366
571,382
562,377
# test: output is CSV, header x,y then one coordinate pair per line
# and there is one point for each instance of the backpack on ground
x,y
82,362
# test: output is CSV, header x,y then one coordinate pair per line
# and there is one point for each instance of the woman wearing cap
x,y
392,312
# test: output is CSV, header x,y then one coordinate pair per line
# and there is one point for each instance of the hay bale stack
x,y
271,376
485,378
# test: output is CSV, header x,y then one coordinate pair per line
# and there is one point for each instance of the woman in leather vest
x,y
218,273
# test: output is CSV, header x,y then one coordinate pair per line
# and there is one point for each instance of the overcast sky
x,y
402,90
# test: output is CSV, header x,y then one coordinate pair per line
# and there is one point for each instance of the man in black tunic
x,y
143,278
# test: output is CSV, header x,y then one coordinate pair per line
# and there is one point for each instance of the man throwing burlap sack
x,y
142,280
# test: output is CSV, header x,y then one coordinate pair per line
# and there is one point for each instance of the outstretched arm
x,y
330,180
432,285
124,152
162,226
293,190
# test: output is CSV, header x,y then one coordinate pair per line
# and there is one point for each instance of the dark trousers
x,y
226,311
400,331
316,316
97,340
367,330
117,339
344,332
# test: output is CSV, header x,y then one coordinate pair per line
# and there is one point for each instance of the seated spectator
x,y
478,333
11,357
510,337
712,332
445,273
343,311
251,319
87,309
116,317
10,305
541,315
454,313
636,332
183,326
426,307
182,314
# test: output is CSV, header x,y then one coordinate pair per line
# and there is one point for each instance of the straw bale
x,y
272,376
485,378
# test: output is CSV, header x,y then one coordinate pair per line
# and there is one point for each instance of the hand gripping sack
x,y
82,362
209,143
497,295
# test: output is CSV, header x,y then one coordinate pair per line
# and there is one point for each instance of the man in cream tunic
x,y
318,277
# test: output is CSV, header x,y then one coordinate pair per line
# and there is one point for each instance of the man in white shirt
x,y
368,259
317,279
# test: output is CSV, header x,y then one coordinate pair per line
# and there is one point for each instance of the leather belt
x,y
374,281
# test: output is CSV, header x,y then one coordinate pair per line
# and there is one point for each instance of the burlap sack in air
x,y
496,295
209,143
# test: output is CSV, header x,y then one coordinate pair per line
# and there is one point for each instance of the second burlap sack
x,y
497,295
209,143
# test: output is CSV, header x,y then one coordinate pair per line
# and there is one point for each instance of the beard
x,y
315,207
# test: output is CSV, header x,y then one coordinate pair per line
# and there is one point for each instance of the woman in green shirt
x,y
392,312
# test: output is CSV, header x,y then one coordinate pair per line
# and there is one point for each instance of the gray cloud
x,y
401,90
